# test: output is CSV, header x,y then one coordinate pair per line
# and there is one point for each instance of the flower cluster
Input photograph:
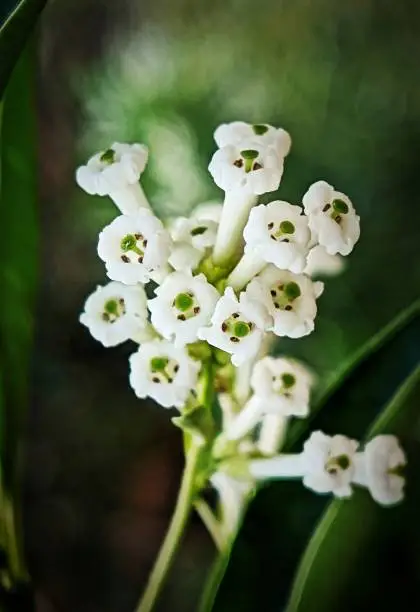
x,y
209,292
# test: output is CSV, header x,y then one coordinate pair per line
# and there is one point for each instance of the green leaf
x,y
14,33
18,279
336,553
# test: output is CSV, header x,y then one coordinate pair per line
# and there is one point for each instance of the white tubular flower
x,y
116,173
210,211
328,464
182,305
272,433
277,233
237,326
133,247
238,131
380,468
163,372
248,165
320,263
289,298
332,218
115,313
191,239
282,385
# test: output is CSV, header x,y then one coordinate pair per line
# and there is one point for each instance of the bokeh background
x,y
102,468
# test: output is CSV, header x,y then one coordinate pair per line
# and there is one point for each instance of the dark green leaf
x,y
14,33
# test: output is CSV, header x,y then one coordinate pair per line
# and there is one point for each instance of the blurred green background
x,y
102,469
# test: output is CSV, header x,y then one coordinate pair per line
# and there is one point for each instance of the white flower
x,y
380,468
320,263
289,298
163,372
332,218
115,313
191,239
184,303
116,173
237,326
328,464
237,131
248,165
282,385
279,234
210,211
133,247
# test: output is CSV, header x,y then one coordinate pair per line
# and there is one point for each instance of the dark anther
x,y
276,305
235,315
155,380
286,240
238,163
257,166
125,259
196,309
273,292
176,368
272,237
234,339
140,259
270,225
145,243
138,236
181,317
326,207
170,380
288,307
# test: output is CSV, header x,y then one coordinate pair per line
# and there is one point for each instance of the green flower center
x,y
130,243
183,301
236,328
113,309
249,156
186,305
163,369
198,231
335,464
339,208
398,470
288,380
108,157
284,230
284,295
259,129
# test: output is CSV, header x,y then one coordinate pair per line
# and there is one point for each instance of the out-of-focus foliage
x,y
13,34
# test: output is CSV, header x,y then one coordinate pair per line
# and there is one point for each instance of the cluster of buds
x,y
222,284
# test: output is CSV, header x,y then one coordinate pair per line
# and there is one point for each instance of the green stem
x,y
175,532
216,576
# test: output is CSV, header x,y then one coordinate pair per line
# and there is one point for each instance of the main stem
x,y
174,534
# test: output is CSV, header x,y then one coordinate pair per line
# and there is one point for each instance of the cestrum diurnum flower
x,y
115,313
237,326
163,372
277,233
134,247
182,305
380,468
116,173
289,298
326,465
238,131
192,237
281,387
332,218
